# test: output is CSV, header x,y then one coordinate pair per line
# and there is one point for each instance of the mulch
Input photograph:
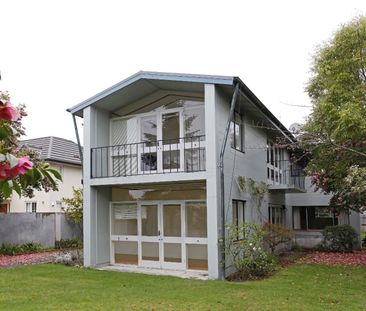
x,y
356,258
26,259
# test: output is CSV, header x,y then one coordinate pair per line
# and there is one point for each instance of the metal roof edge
x,y
195,78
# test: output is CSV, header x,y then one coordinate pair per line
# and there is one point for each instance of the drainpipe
x,y
222,181
78,139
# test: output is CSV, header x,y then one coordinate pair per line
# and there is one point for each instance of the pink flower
x,y
4,171
8,112
24,165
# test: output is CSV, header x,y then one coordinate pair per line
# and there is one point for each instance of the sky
x,y
55,54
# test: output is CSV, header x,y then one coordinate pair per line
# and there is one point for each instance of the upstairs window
x,y
275,163
236,132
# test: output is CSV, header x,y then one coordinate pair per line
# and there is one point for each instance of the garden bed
x,y
26,259
355,258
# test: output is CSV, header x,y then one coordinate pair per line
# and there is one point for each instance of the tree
x,y
21,170
335,132
74,209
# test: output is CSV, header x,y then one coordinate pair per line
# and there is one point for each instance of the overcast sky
x,y
55,54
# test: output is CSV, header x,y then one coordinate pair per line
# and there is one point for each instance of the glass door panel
x,y
172,220
197,257
150,251
124,220
170,128
149,220
148,147
196,219
173,252
171,133
125,253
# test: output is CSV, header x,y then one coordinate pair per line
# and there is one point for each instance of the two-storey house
x,y
162,156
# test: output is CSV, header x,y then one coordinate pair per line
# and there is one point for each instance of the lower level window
x,y
31,207
313,217
277,214
238,212
238,215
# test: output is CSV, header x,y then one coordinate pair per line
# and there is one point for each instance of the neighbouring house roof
x,y
146,82
55,149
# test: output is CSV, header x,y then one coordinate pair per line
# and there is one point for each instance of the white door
x,y
162,146
161,227
150,235
172,233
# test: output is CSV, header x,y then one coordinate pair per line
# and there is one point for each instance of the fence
x,y
42,228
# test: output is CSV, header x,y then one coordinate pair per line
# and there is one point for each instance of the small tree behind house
x,y
74,206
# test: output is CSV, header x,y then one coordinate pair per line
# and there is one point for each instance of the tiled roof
x,y
54,149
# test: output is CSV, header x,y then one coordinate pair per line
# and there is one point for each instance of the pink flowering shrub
x,y
8,112
21,170
8,173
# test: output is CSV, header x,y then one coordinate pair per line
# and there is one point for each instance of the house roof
x,y
55,149
146,82
157,78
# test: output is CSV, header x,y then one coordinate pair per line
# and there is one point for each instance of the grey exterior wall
x,y
314,198
42,228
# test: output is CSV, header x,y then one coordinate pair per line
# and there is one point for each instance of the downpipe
x,y
222,181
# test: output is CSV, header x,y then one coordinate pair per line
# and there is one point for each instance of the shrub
x,y
276,235
15,249
244,246
363,237
69,243
342,238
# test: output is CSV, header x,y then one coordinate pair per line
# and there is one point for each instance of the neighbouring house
x,y
62,155
161,180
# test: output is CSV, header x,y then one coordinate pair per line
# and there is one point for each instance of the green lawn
x,y
299,287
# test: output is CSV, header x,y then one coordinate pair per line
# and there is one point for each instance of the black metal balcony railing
x,y
185,154
285,172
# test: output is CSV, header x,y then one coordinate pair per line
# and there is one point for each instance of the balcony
x,y
285,175
187,154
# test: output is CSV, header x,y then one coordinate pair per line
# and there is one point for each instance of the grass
x,y
298,287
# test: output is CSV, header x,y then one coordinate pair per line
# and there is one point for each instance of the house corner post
x,y
211,183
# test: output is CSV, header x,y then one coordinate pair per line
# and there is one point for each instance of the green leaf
x,y
6,190
17,188
55,173
37,175
51,180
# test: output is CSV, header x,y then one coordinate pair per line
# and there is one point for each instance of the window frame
x,y
31,207
236,213
276,171
334,218
282,214
234,124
